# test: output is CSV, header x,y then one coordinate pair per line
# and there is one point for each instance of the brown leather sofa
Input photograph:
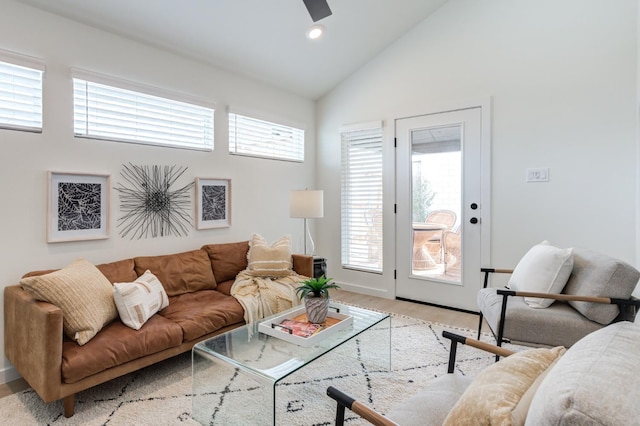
x,y
197,282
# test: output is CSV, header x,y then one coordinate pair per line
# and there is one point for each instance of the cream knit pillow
x,y
82,292
493,397
269,261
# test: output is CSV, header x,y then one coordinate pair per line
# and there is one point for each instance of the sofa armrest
x,y
33,337
303,264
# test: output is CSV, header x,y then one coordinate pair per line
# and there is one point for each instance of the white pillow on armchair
x,y
543,269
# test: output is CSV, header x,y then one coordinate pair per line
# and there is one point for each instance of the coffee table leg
x,y
225,395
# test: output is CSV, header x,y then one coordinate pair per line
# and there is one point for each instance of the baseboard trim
x,y
438,306
9,374
369,291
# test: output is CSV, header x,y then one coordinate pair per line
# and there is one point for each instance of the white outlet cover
x,y
538,174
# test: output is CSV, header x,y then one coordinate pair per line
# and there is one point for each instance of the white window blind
x,y
20,97
111,113
362,198
259,138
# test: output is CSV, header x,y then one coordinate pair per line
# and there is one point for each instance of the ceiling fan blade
x,y
318,9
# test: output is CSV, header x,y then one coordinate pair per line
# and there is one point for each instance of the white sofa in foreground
x,y
591,383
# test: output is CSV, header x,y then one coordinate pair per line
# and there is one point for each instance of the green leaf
x,y
317,287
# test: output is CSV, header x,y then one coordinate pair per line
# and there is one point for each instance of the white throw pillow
x,y
544,269
140,300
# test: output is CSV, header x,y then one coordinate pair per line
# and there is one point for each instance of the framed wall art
x,y
213,203
77,207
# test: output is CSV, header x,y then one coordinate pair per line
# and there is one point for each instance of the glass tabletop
x,y
270,358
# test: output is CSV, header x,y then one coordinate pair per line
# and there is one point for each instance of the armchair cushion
x,y
557,325
495,394
543,269
594,383
430,406
599,275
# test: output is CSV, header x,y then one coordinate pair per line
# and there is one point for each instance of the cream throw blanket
x,y
262,296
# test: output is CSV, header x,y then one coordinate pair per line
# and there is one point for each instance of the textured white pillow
x,y
544,269
140,300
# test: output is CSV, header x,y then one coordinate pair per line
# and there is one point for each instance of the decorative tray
x,y
294,327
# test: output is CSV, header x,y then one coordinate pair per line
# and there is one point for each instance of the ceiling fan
x,y
318,9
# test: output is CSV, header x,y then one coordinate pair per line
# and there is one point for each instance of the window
x,y
362,197
106,112
21,94
259,138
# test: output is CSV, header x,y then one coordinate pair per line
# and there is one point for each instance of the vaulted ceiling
x,y
260,39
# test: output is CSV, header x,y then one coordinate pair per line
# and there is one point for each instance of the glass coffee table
x,y
236,374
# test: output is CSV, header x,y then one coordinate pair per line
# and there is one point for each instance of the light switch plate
x,y
538,174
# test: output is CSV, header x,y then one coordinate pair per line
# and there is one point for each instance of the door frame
x,y
485,105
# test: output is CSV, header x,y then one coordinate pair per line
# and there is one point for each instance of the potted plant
x,y
315,293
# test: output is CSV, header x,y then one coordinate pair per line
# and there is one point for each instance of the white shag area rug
x,y
162,394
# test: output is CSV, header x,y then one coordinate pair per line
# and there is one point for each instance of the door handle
x,y
474,220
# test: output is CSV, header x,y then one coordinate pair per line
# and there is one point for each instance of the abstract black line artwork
x,y
151,206
78,207
213,206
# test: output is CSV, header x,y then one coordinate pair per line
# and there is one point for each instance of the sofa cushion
x,y
203,312
139,300
181,272
273,260
224,287
600,275
121,271
117,344
82,292
594,382
494,395
227,259
543,269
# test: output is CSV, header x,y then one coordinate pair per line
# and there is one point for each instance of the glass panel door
x,y
436,172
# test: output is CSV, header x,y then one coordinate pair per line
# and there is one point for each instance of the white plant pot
x,y
317,309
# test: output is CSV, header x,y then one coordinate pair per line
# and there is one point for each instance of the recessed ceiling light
x,y
315,32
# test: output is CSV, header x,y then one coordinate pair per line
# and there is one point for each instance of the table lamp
x,y
306,204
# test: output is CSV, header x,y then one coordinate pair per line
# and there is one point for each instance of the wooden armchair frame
x,y
345,401
506,293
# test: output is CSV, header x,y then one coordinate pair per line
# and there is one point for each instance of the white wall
x,y
562,79
260,188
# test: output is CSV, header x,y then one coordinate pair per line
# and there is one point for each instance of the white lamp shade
x,y
306,204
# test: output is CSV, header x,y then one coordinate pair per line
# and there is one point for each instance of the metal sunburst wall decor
x,y
151,207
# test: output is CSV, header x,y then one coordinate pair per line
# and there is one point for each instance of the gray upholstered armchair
x,y
597,293
440,397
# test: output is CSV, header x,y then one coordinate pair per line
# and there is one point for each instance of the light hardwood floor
x,y
411,309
